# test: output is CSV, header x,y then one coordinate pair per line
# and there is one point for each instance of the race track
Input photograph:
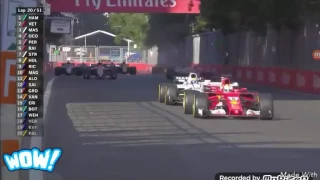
x,y
115,130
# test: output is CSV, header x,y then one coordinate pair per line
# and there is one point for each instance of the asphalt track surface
x,y
116,130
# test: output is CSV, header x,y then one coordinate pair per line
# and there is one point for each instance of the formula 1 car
x,y
125,69
175,93
229,102
172,94
100,71
68,69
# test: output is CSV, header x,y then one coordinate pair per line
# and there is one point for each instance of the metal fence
x,y
171,55
73,53
115,53
277,49
92,53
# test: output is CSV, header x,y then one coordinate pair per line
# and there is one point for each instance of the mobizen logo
x,y
8,78
316,55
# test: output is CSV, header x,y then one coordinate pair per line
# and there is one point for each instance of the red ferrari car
x,y
227,101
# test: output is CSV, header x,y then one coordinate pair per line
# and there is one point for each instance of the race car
x,y
214,80
172,94
100,71
229,102
124,68
68,69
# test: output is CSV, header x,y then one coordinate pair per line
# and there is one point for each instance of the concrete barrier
x,y
9,140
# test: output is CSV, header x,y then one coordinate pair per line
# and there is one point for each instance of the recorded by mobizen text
x,y
268,176
291,176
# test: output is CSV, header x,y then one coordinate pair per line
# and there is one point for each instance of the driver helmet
x,y
68,62
193,78
227,88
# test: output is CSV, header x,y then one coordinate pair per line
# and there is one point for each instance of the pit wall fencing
x,y
281,49
91,53
280,59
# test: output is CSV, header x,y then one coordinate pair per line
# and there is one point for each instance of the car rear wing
x,y
226,75
238,93
180,78
210,83
184,78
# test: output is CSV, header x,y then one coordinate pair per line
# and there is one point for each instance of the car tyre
x,y
266,106
114,76
132,70
170,74
86,75
162,89
78,72
171,94
188,99
200,101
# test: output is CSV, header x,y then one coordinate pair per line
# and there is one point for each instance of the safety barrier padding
x,y
306,81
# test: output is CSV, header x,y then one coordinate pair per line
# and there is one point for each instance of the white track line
x,y
37,141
